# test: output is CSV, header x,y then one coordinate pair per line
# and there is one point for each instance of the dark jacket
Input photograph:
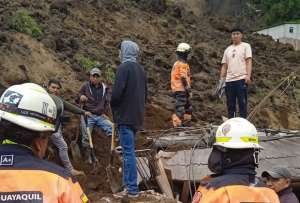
x,y
98,98
129,91
287,196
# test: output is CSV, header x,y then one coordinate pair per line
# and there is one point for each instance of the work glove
x,y
220,88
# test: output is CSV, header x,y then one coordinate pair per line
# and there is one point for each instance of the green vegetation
x,y
170,2
109,75
278,11
85,62
22,21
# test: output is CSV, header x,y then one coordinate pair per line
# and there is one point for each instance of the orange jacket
x,y
26,178
180,70
235,194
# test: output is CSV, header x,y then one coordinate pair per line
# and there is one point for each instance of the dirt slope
x,y
94,28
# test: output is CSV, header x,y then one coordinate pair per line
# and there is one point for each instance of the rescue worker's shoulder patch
x,y
84,198
6,160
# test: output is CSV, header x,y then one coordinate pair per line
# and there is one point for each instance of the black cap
x,y
237,29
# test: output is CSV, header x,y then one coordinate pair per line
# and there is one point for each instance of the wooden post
x,y
162,180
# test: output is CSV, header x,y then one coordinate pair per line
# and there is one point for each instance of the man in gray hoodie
x,y
128,107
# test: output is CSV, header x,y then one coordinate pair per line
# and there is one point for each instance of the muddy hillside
x,y
70,36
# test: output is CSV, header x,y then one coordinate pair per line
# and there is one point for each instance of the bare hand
x,y
247,80
83,98
88,114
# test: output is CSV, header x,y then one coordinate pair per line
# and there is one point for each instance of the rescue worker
x,y
279,180
57,138
181,86
233,160
236,74
29,116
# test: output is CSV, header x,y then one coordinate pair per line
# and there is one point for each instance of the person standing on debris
x,y
236,73
57,138
128,106
29,116
181,86
279,180
94,95
233,159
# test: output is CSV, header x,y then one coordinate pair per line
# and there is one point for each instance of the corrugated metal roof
x,y
188,164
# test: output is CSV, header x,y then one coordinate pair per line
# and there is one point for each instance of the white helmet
x,y
237,133
183,47
30,106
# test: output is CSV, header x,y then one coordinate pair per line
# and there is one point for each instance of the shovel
x,y
75,150
86,132
93,155
112,172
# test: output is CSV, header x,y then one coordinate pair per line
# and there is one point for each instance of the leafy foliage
x,y
21,21
85,62
110,75
277,11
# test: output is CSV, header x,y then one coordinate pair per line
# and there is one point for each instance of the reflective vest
x,y
235,194
28,179
180,70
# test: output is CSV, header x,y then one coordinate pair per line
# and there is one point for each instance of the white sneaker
x,y
133,195
121,194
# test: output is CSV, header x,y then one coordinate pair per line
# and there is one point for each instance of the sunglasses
x,y
96,76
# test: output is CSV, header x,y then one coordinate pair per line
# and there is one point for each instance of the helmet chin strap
x,y
255,156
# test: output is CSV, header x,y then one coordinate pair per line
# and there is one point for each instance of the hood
x,y
129,51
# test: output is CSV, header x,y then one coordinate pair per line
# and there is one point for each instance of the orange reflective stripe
x,y
236,194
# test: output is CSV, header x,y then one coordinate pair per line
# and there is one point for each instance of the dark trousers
x,y
182,104
236,91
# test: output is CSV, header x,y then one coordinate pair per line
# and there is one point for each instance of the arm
x,y
183,76
223,71
72,108
248,59
107,109
81,96
248,69
119,86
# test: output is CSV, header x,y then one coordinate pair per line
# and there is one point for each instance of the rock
x,y
76,67
60,44
60,6
92,185
73,43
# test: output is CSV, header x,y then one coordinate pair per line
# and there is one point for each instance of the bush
x,y
85,62
109,75
21,21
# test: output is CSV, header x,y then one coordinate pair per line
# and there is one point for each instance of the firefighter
x,y
181,86
29,116
233,161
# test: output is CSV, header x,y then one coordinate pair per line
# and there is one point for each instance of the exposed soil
x,y
94,29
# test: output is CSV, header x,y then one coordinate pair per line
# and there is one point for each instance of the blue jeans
x,y
127,136
99,121
236,91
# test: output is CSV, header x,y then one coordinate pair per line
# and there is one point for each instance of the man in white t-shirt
x,y
236,72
